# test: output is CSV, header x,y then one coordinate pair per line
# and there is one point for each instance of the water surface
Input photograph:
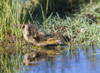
x,y
79,62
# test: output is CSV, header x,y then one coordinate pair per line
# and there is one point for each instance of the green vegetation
x,y
80,21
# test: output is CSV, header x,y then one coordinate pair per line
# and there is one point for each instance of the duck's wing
x,y
33,30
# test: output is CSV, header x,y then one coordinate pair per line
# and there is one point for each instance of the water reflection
x,y
78,62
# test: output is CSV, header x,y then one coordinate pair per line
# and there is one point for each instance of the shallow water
x,y
79,62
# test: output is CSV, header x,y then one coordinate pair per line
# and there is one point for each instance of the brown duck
x,y
34,36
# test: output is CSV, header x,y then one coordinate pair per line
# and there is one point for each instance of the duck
x,y
33,35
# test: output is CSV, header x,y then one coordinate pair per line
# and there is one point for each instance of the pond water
x,y
78,62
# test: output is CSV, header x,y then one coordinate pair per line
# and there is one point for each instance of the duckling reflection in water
x,y
33,35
